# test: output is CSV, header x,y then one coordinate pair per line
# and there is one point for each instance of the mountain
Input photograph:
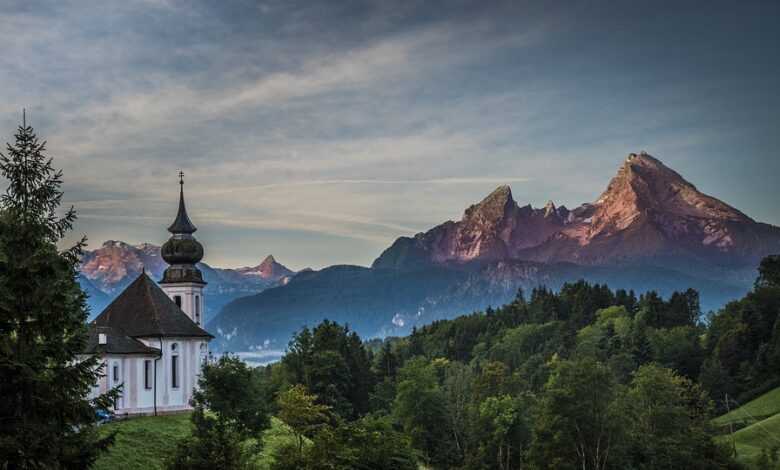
x,y
106,271
648,214
269,270
382,302
96,298
649,230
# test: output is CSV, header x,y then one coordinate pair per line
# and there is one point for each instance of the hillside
x,y
757,428
132,449
382,302
765,406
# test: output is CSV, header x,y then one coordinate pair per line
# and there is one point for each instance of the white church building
x,y
150,338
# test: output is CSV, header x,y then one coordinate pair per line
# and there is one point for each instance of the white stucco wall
x,y
191,298
136,398
189,360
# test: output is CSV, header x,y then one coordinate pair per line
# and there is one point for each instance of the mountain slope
x,y
380,302
370,300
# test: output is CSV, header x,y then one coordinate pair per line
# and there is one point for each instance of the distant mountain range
x,y
650,229
105,272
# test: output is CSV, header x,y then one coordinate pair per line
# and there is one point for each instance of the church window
x,y
174,368
177,299
148,374
116,372
197,309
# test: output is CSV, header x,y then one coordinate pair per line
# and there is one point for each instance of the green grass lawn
x,y
762,407
751,440
144,442
756,436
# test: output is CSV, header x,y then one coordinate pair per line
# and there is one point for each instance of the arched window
x,y
177,299
197,309
174,366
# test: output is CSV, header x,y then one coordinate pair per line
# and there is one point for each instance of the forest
x,y
585,377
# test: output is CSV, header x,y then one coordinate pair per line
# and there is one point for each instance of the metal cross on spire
x,y
181,178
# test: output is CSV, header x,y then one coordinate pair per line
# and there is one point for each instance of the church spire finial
x,y
182,225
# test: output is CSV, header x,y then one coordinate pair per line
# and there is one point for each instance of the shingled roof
x,y
144,310
116,343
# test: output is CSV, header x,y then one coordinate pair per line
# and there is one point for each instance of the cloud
x,y
369,120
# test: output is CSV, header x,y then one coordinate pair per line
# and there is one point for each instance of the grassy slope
x,y
751,440
143,442
762,407
764,434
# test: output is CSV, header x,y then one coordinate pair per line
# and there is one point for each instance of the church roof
x,y
182,224
144,310
116,343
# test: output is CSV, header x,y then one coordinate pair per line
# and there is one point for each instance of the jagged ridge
x,y
648,213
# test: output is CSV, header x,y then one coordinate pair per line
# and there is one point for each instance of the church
x,y
150,338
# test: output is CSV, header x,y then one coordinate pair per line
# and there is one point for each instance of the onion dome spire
x,y
182,251
182,225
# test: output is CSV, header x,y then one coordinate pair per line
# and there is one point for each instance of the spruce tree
x,y
46,420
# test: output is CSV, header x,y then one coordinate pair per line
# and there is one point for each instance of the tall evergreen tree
x,y
45,418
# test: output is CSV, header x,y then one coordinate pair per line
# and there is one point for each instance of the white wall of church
x,y
125,371
185,355
138,393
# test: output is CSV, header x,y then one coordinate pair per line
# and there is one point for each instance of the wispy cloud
x,y
436,181
362,122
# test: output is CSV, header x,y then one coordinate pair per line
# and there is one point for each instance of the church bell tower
x,y
182,280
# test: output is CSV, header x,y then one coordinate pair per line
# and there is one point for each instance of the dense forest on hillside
x,y
585,377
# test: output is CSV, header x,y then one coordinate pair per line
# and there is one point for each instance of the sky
x,y
322,131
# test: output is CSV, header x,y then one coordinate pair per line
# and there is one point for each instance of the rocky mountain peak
x,y
644,184
549,209
647,213
269,269
495,207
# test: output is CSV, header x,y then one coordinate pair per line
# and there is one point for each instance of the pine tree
x,y
45,418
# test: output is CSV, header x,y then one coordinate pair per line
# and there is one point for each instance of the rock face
x,y
648,214
105,272
114,265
